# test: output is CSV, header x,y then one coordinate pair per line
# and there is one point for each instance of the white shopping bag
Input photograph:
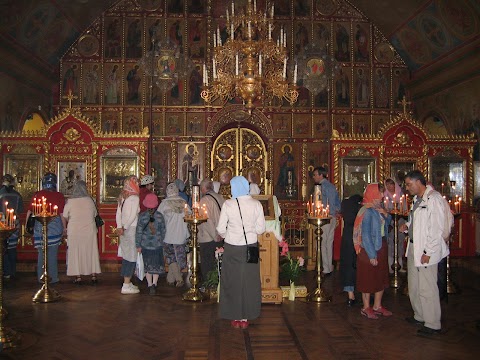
x,y
139,268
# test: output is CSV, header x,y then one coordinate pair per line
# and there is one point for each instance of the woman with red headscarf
x,y
126,217
369,239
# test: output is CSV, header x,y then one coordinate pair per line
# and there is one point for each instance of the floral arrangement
x,y
290,267
213,277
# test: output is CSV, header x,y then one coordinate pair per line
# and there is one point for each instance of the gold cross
x,y
404,103
70,97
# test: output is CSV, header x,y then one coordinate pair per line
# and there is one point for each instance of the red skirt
x,y
372,279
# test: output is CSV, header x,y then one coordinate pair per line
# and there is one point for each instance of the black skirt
x,y
240,287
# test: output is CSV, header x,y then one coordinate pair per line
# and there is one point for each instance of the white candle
x,y
260,64
219,38
204,74
233,10
214,40
269,31
255,6
214,69
249,30
285,68
272,11
231,31
228,17
236,64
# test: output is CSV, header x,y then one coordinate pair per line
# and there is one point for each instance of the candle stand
x,y
318,295
45,294
8,337
194,294
452,288
395,280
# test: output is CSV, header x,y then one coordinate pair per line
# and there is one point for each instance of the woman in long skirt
x,y
241,221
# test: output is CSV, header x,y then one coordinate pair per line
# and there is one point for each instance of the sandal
x,y
369,313
78,281
382,311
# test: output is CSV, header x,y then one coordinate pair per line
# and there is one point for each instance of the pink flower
x,y
218,252
301,261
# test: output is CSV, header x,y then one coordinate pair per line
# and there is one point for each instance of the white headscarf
x,y
254,189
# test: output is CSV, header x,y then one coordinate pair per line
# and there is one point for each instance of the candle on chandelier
x,y
214,41
255,6
260,64
236,64
272,11
285,67
231,31
249,26
228,16
233,9
214,69
219,38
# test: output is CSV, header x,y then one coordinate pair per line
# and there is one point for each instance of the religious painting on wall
x,y
88,45
70,82
195,124
68,173
286,181
381,88
175,32
378,120
195,83
196,38
151,5
175,94
399,84
174,123
326,7
196,6
301,36
133,38
154,32
317,155
133,84
175,6
91,83
113,37
321,126
132,122
25,169
282,124
282,8
115,169
157,121
342,123
161,166
93,116
191,157
362,88
361,124
321,36
302,125
111,121
342,87
302,8
342,41
113,80
361,43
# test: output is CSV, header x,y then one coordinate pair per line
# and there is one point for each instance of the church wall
x,y
100,69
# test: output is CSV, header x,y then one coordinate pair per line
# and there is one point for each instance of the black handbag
x,y
253,252
98,219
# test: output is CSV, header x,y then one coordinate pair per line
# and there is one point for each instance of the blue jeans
x,y
52,254
10,262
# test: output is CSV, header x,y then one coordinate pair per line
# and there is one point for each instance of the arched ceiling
x,y
35,34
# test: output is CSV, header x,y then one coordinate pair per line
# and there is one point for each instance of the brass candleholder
x,y
8,337
395,280
318,295
45,294
194,294
452,288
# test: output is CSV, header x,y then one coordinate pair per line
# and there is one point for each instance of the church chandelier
x,y
249,65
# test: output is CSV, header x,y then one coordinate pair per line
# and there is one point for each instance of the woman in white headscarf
x,y
82,251
173,210
241,221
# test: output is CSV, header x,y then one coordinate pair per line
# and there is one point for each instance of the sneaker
x,y
133,286
369,313
152,290
126,289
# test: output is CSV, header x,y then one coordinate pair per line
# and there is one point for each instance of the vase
x,y
291,294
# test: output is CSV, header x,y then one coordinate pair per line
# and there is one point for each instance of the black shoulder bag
x,y
98,219
253,252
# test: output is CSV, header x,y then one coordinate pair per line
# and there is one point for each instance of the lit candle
x,y
55,210
195,196
185,210
394,203
459,204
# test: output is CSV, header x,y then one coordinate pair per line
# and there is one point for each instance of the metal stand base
x,y
46,295
319,296
8,337
194,294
